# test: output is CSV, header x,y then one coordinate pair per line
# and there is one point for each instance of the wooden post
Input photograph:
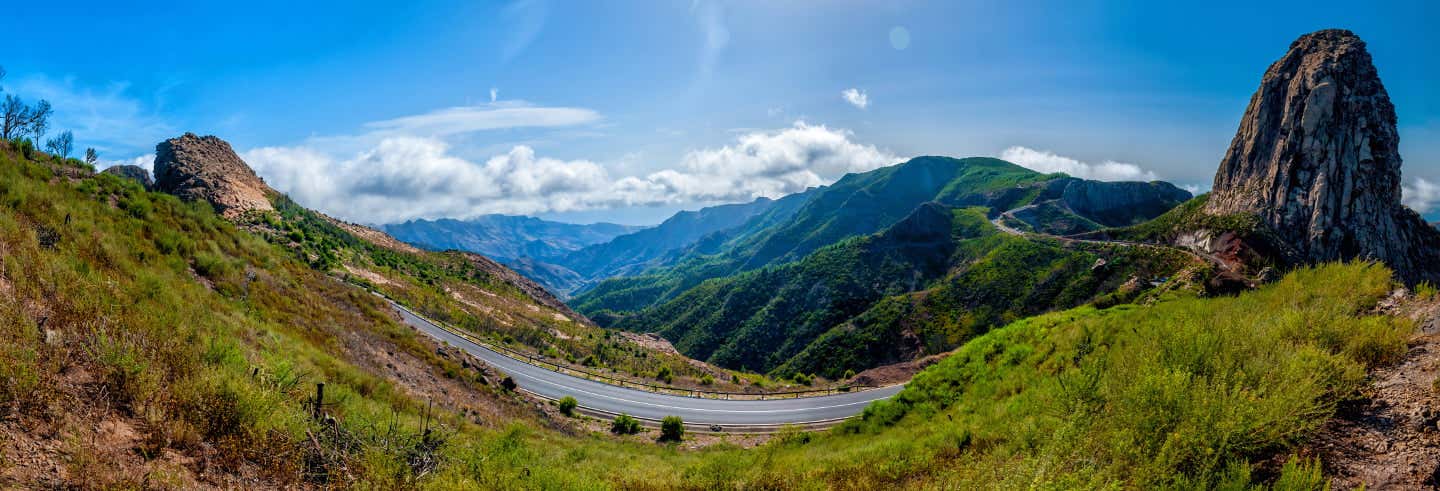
x,y
319,398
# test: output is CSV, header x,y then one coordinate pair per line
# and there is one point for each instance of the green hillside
x,y
857,204
847,282
850,306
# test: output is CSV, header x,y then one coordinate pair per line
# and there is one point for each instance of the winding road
x,y
606,399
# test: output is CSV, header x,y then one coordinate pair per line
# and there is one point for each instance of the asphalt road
x,y
613,399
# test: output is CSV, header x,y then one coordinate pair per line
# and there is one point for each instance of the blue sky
x,y
628,111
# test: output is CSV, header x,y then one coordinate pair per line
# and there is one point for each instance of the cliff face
x,y
1121,203
206,168
1316,158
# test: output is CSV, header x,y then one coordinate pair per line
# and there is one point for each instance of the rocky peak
x,y
1316,158
206,168
132,172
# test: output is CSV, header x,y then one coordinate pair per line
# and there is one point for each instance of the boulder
x,y
206,168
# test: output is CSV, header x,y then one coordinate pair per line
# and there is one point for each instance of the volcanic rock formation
x,y
206,168
1317,159
132,172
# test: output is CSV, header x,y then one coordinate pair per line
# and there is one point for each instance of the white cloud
x,y
1044,161
468,119
856,97
494,94
407,177
1420,195
714,35
147,161
525,18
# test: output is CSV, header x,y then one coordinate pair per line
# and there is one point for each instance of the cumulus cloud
x,y
418,177
1044,161
856,97
1420,195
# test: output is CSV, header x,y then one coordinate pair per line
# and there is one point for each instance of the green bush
x,y
567,405
707,380
664,375
211,265
672,429
625,424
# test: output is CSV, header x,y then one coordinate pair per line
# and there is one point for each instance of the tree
x,y
39,120
625,424
672,429
61,145
91,156
568,405
14,117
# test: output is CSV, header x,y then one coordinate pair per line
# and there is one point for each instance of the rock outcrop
x,y
132,172
206,168
1317,159
1117,204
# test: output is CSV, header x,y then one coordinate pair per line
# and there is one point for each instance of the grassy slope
x,y
1187,393
131,307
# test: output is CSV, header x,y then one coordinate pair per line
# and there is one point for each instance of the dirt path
x,y
1390,440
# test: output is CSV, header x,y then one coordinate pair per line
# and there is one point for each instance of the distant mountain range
x,y
569,258
506,237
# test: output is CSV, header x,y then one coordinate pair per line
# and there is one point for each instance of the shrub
x,y
672,429
567,405
849,374
508,384
625,424
1425,290
665,375
211,265
707,380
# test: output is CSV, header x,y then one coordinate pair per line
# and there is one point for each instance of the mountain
x,y
506,237
1312,175
633,252
887,266
1317,159
866,203
925,285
